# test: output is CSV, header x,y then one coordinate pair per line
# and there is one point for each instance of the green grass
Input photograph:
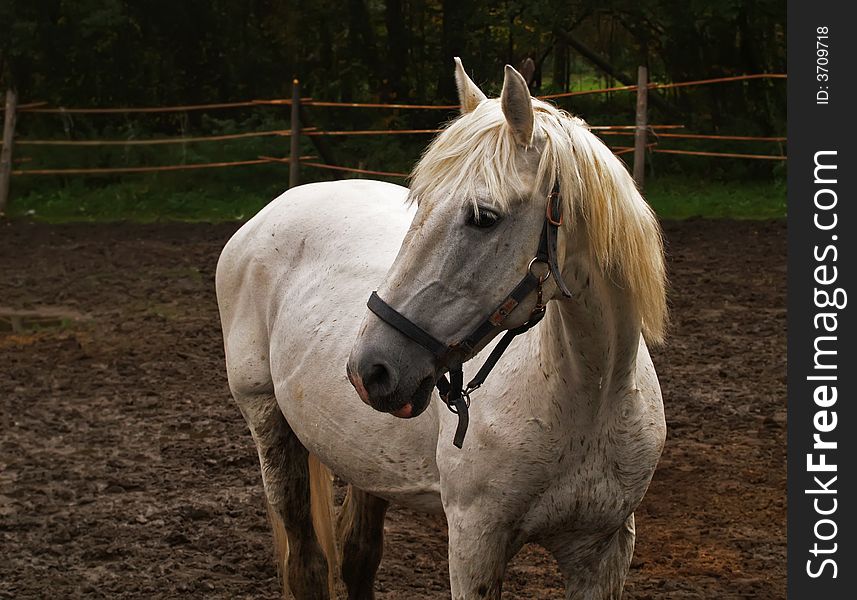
x,y
138,203
680,198
171,198
152,198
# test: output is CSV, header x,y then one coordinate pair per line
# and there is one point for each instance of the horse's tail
x,y
321,510
321,507
281,547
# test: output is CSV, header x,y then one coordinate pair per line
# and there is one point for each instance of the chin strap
x,y
458,399
452,390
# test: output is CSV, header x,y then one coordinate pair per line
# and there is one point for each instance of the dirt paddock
x,y
127,472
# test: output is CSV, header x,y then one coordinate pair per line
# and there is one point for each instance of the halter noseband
x,y
452,390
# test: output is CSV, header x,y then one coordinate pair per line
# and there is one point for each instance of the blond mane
x,y
477,153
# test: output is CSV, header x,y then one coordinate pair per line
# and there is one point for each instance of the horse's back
x,y
292,285
336,218
349,229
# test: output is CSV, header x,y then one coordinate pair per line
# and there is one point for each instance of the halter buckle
x,y
547,273
501,313
452,405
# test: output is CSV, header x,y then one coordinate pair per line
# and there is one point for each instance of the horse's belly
x,y
381,454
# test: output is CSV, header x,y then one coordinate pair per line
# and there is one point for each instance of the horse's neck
x,y
592,339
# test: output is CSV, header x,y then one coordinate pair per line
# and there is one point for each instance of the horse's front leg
x,y
479,549
595,566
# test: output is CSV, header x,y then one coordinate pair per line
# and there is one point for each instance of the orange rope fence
x,y
415,131
620,150
740,138
380,105
375,132
656,130
621,88
152,142
721,154
337,168
29,105
112,170
634,127
147,109
39,108
664,86
309,131
701,136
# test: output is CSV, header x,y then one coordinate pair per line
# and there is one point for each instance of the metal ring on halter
x,y
541,278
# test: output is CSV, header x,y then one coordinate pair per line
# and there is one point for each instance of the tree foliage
x,y
114,52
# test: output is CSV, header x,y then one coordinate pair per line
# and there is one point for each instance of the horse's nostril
x,y
379,380
378,375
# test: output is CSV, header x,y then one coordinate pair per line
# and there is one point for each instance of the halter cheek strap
x,y
452,390
553,219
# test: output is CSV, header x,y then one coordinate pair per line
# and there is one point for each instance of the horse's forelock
x,y
474,155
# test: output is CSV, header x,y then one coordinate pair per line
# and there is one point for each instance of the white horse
x,y
567,430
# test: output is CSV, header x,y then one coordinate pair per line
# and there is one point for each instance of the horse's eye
x,y
483,218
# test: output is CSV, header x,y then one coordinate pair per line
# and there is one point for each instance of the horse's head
x,y
481,190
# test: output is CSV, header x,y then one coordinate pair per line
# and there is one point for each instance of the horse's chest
x,y
601,476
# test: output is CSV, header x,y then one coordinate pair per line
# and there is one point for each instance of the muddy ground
x,y
126,471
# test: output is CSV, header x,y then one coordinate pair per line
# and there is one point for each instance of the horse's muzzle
x,y
377,386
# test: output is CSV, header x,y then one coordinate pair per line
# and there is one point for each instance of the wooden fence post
x,y
641,126
294,160
6,152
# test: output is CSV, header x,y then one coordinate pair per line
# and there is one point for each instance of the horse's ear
x,y
468,94
517,106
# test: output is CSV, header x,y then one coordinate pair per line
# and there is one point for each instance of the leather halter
x,y
452,390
